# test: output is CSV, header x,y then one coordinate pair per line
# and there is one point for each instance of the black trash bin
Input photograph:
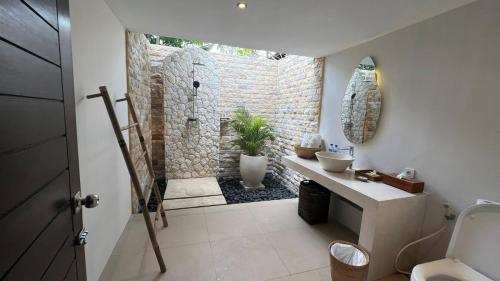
x,y
314,201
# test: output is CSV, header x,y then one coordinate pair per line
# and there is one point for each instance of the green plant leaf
x,y
253,132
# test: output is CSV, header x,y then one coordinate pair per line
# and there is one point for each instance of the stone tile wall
x,y
191,148
248,82
158,124
297,109
157,54
138,79
287,92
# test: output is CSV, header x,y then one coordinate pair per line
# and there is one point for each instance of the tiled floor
x,y
245,242
396,277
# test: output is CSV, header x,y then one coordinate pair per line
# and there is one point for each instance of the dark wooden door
x,y
38,150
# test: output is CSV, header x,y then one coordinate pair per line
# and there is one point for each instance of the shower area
x,y
193,95
191,102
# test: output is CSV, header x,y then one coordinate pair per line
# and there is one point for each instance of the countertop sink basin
x,y
334,162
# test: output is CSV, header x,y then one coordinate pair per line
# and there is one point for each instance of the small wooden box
x,y
364,173
411,186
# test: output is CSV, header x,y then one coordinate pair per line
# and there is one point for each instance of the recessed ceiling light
x,y
242,5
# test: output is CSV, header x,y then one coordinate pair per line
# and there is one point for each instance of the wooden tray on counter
x,y
364,173
411,186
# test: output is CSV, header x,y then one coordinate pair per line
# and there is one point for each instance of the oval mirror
x,y
361,104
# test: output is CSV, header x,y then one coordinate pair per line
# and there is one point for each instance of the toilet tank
x,y
476,239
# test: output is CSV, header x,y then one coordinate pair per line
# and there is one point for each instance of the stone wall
x,y
191,148
157,55
138,87
297,109
287,92
158,124
248,82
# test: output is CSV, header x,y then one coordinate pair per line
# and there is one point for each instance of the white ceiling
x,y
303,27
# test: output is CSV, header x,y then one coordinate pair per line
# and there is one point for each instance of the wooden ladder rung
x,y
142,154
128,126
94,96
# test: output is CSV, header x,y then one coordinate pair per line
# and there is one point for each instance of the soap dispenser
x,y
333,148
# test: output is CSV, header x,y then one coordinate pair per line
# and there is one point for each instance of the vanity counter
x,y
345,184
391,217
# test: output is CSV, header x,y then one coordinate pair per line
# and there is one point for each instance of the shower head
x,y
196,84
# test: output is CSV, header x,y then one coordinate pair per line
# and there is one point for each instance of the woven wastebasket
x,y
314,201
348,261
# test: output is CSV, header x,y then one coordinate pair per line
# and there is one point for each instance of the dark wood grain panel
x,y
62,263
24,74
69,105
38,257
46,9
30,219
24,172
71,275
38,156
23,27
32,121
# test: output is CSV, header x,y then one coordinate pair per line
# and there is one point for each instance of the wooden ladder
x,y
143,194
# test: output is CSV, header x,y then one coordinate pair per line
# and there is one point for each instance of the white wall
x,y
98,41
441,106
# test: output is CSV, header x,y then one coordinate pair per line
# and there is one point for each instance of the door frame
x,y
70,116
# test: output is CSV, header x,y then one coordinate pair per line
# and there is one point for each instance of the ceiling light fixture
x,y
241,5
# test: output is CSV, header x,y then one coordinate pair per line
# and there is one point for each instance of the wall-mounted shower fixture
x,y
196,85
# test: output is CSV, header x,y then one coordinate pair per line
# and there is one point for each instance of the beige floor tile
x,y
335,231
277,217
305,249
225,208
181,188
183,230
273,202
249,258
134,239
183,212
231,224
238,250
194,202
123,267
189,263
314,275
325,274
139,218
184,263
395,277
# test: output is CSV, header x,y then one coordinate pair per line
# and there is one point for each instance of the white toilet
x,y
474,250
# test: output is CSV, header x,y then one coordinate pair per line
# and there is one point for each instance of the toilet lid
x,y
447,269
476,239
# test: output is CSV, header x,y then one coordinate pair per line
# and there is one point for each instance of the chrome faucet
x,y
349,148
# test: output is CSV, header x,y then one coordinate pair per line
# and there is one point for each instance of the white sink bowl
x,y
334,162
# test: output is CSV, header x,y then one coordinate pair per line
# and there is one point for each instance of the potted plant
x,y
254,134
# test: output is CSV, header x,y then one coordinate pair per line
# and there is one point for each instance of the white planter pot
x,y
253,170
